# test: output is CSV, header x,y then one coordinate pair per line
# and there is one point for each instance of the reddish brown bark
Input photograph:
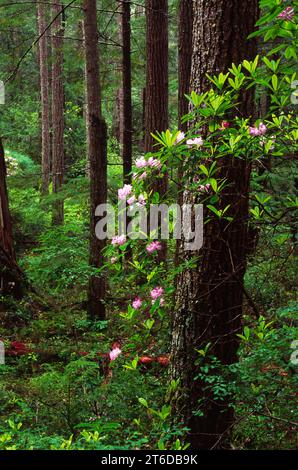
x,y
97,151
57,112
209,298
184,58
126,82
156,95
11,278
44,94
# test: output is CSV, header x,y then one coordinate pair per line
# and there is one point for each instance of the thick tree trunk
x,y
57,112
184,70
97,157
126,80
209,298
44,94
184,58
156,96
11,277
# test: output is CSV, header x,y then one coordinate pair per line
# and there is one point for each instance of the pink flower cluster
x,y
157,293
114,353
225,125
204,189
151,162
153,246
288,14
180,137
137,303
197,141
257,131
118,240
124,192
141,201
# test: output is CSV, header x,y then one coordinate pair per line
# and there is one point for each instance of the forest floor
x,y
59,388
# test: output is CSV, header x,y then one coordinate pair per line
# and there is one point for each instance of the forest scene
x,y
148,225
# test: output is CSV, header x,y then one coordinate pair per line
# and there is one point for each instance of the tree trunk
x,y
156,96
184,58
209,298
157,77
57,112
184,70
11,277
126,80
44,93
97,157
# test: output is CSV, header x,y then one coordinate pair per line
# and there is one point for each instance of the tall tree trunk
x,y
57,112
157,77
97,157
11,278
184,58
156,96
209,298
184,69
44,93
126,80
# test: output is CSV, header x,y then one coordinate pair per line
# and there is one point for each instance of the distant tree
x,y
209,298
11,277
44,94
57,110
97,155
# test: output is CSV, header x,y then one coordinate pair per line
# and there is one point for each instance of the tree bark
x,y
57,112
11,277
126,81
44,94
184,58
209,298
184,70
157,77
97,157
156,95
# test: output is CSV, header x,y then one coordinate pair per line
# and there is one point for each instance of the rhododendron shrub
x,y
217,132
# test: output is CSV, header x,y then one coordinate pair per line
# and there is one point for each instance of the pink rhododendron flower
x,y
257,131
262,129
153,246
137,303
204,189
143,175
141,162
288,14
124,192
156,293
180,137
196,141
225,125
119,240
114,353
154,163
161,301
131,200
